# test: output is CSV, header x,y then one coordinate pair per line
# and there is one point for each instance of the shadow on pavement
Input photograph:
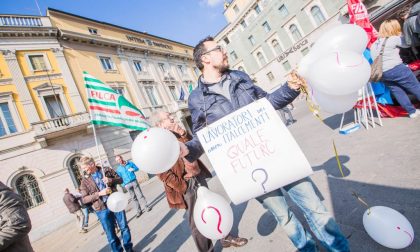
x,y
334,121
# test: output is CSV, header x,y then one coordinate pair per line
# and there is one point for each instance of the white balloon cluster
x,y
213,215
336,69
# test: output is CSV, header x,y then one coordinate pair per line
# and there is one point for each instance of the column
x,y
20,83
68,79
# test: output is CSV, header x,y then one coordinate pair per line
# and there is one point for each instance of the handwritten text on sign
x,y
253,152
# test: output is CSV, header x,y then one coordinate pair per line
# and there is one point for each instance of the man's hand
x,y
104,192
183,150
295,82
106,180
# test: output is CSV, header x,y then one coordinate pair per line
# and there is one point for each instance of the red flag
x,y
358,15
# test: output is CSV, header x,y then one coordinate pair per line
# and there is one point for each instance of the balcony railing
x,y
24,21
46,127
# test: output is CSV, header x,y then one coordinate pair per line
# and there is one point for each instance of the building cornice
x,y
25,32
115,26
66,35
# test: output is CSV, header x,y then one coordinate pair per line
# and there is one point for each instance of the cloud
x,y
212,3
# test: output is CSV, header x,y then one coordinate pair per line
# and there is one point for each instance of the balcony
x,y
144,76
61,125
24,21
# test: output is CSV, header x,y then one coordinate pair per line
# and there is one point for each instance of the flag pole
x,y
94,134
97,146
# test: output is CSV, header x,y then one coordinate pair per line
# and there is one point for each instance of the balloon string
x,y
338,160
303,88
342,174
361,200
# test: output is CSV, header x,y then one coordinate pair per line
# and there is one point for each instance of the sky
x,y
185,21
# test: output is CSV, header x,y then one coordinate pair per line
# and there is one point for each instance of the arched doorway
x,y
76,173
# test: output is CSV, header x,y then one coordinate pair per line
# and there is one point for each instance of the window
x,y
266,26
304,51
37,62
295,32
233,55
182,69
243,24
261,58
54,106
7,125
107,63
162,68
270,76
257,9
174,94
276,46
93,31
27,187
283,11
226,39
236,9
119,90
317,15
286,66
137,65
251,40
150,91
74,170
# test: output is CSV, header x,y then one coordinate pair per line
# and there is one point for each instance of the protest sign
x,y
253,152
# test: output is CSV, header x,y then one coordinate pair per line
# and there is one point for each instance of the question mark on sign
x,y
218,213
265,177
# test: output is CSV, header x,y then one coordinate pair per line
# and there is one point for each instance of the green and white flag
x,y
107,107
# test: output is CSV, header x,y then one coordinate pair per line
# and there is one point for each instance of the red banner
x,y
358,15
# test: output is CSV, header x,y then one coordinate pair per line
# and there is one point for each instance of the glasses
x,y
217,48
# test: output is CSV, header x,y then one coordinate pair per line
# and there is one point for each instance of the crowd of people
x,y
220,91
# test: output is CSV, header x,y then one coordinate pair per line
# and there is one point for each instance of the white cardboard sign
x,y
253,152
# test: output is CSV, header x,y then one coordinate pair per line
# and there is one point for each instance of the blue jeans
x,y
401,80
107,219
319,219
86,216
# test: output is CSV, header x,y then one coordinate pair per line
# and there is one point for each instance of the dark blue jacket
x,y
205,105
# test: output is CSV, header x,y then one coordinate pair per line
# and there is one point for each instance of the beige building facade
x,y
44,121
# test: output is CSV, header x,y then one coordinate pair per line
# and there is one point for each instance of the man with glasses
x,y
221,91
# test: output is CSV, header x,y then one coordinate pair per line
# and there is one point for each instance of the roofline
x,y
116,26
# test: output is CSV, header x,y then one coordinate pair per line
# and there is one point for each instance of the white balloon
x,y
117,202
335,104
345,37
388,227
339,73
155,150
305,64
213,215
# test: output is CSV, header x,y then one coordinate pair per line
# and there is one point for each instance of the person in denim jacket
x,y
221,91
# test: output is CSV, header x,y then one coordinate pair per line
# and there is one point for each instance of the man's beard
x,y
222,67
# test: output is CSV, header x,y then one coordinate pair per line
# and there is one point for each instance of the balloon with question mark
x,y
213,215
259,180
388,227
